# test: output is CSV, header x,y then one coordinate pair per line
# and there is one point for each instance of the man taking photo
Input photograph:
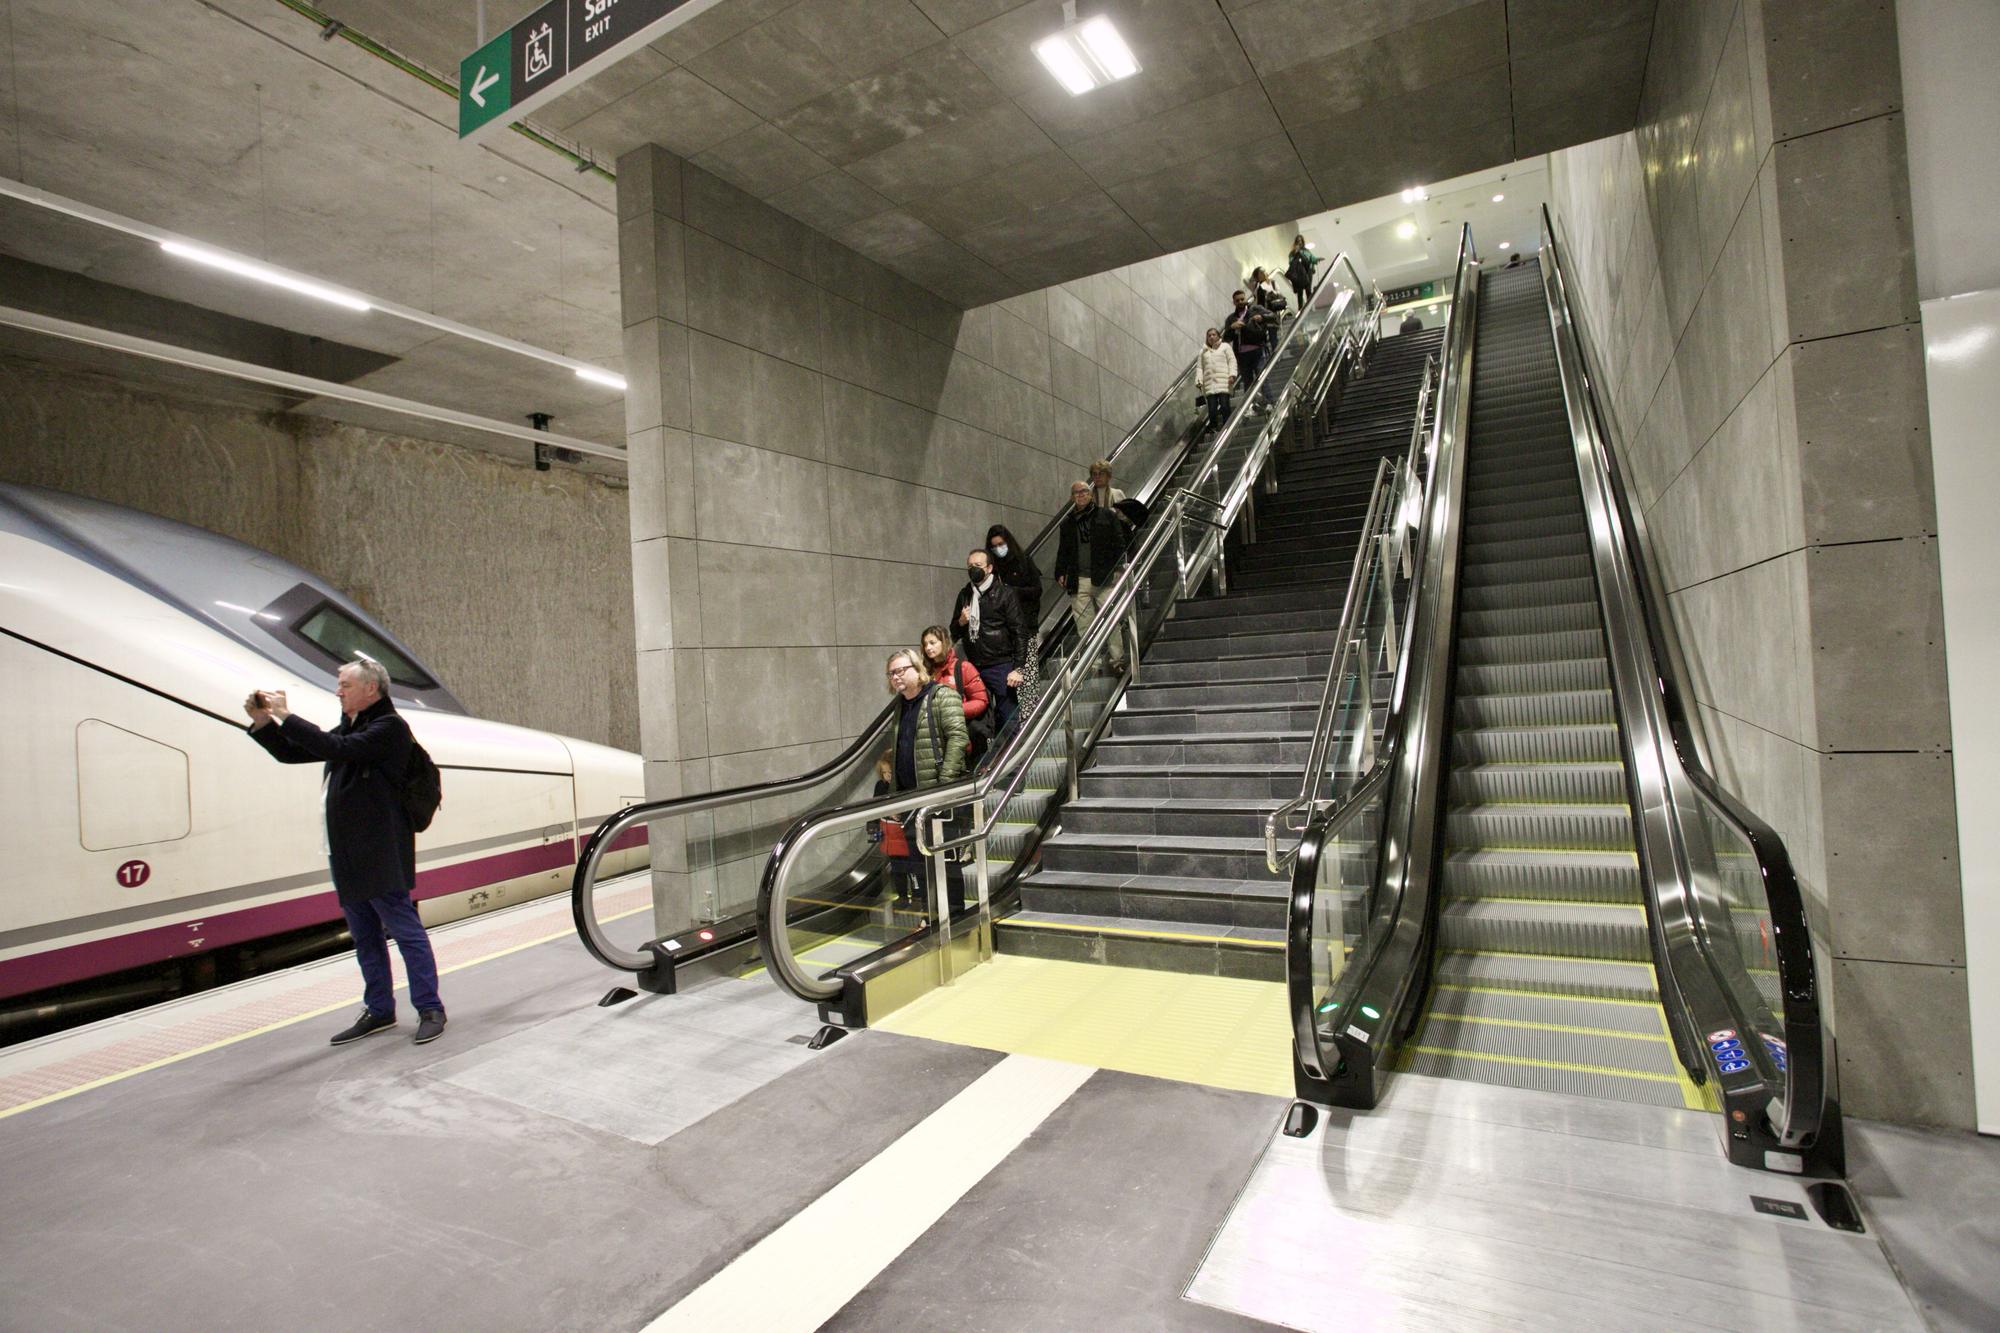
x,y
369,842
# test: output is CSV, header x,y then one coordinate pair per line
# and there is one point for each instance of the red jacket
x,y
971,688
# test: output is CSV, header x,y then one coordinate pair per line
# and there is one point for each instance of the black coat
x,y
1107,544
1003,631
1018,572
368,834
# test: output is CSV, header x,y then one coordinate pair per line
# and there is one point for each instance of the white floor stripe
x,y
800,1275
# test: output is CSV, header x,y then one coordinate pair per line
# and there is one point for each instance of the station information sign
x,y
553,50
1404,295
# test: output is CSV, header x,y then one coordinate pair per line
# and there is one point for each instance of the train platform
x,y
1040,1146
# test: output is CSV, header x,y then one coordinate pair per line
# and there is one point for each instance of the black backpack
x,y
422,789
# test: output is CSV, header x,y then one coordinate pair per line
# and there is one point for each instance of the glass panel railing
x,y
1085,668
1359,897
1340,870
1368,646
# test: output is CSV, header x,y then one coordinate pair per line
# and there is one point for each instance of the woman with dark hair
x,y
1016,569
1299,266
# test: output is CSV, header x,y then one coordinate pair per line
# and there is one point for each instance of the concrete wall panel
x,y
1744,259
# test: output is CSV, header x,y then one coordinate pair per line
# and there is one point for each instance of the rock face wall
x,y
515,586
1747,267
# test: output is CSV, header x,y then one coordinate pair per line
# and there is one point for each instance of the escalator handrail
x,y
583,883
1805,1075
1443,483
1027,740
1388,475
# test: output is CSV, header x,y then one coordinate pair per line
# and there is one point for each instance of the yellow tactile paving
x,y
1224,1032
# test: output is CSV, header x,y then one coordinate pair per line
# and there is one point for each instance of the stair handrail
x,y
1369,993
1391,478
1707,980
1345,305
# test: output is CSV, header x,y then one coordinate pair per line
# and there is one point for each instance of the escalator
x,y
1544,971
1529,875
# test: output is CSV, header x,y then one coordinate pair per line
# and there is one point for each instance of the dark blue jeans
x,y
999,692
373,924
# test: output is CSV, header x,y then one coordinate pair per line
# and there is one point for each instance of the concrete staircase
x,y
1159,862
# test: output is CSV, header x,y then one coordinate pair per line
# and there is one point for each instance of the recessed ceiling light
x,y
1506,245
1415,194
1087,55
1406,229
1498,197
243,268
604,377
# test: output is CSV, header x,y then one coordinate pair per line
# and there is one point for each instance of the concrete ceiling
x,y
921,132
925,134
230,122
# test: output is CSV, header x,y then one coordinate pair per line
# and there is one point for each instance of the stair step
x,y
1559,784
1543,828
1207,900
1611,980
1160,946
1597,931
1584,877
1176,855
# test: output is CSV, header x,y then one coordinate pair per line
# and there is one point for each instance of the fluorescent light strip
x,y
55,203
303,385
259,273
604,377
1087,55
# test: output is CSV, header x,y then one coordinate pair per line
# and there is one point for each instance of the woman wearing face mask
x,y
1017,570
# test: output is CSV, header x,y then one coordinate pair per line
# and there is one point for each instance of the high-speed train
x,y
141,825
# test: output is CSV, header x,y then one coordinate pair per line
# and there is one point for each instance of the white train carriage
x,y
141,825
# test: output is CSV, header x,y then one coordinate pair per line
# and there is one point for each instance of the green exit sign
x,y
553,50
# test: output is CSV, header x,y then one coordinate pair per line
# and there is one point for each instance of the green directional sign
x,y
485,85
546,53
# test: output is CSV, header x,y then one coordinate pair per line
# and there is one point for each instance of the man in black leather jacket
x,y
1092,542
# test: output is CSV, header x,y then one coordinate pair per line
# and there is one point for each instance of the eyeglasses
x,y
897,671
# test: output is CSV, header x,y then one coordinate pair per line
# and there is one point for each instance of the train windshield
x,y
346,639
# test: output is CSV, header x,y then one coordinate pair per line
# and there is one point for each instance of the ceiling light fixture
x,y
1416,194
1506,245
1498,197
1406,229
1086,55
257,272
604,377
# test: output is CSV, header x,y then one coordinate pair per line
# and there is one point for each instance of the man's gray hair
x,y
367,668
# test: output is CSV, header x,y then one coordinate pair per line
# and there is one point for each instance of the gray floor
x,y
1462,1205
1933,1200
1096,1222
279,1183
555,1165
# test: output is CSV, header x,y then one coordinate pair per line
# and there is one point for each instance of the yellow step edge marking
x,y
1540,1026
1141,934
1694,1096
1547,902
1545,994
1534,1063
1549,958
1547,851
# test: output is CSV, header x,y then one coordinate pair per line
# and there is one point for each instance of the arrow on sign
x,y
480,84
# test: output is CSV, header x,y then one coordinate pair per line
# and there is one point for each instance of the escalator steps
x,y
1544,976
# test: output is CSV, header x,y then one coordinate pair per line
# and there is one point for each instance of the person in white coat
x,y
1214,377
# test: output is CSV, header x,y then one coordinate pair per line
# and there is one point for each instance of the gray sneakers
x,y
430,1025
